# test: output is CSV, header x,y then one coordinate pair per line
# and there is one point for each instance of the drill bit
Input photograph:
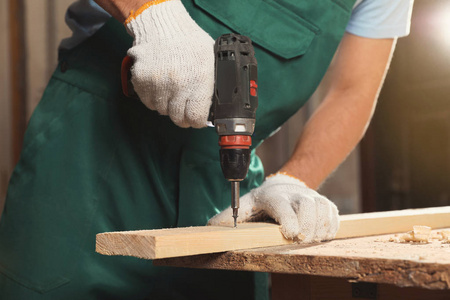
x,y
235,200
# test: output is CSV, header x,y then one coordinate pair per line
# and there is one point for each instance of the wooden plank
x,y
365,259
152,244
377,223
162,243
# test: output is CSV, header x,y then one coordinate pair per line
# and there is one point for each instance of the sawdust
x,y
371,247
301,236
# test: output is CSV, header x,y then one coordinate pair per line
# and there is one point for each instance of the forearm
x,y
342,119
120,9
328,137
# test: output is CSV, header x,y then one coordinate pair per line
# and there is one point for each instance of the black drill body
x,y
233,111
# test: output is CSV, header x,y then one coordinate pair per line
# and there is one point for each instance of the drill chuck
x,y
235,156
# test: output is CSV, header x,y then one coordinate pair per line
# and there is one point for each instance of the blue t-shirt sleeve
x,y
381,18
84,18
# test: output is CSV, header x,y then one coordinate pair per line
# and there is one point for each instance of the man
x,y
95,161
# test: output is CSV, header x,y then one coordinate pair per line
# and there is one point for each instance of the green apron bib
x,y
95,161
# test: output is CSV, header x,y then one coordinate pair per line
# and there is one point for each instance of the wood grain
x,y
366,259
163,243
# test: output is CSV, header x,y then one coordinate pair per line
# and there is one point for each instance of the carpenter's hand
x,y
303,213
173,68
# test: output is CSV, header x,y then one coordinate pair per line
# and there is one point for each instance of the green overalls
x,y
94,161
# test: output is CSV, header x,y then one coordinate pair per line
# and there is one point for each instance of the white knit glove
x,y
173,62
303,213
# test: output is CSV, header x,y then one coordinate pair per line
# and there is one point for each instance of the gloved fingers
x,y
176,112
224,218
323,221
246,212
197,111
318,217
142,84
306,212
163,90
151,85
278,207
247,208
188,100
181,88
199,101
334,222
158,99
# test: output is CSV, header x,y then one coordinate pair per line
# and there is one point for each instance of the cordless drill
x,y
233,109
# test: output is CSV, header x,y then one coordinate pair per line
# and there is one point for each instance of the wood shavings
x,y
422,235
419,234
444,236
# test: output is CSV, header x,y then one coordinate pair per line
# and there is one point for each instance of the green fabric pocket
x,y
266,22
53,192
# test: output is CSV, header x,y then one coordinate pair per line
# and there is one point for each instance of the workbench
x,y
366,260
366,267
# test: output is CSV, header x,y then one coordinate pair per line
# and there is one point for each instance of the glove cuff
x,y
283,177
166,18
134,14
